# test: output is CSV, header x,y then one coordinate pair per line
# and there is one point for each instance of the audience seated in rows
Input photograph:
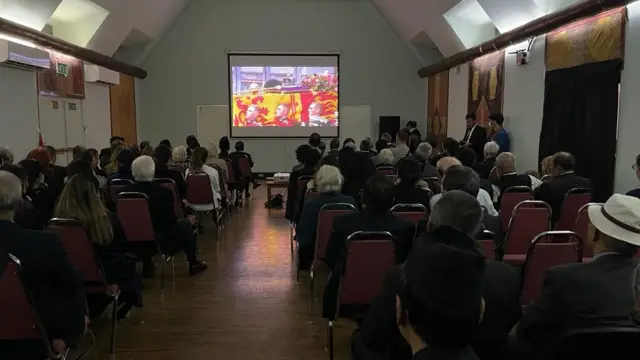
x,y
468,158
377,200
328,183
508,176
423,154
81,201
171,233
124,159
407,190
82,168
55,285
325,160
197,164
484,167
563,179
401,149
483,197
590,294
162,156
447,329
380,145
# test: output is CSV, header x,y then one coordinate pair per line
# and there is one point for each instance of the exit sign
x,y
63,69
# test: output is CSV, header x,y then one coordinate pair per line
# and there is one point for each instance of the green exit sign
x,y
63,69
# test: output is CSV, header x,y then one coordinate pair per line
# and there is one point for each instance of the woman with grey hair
x,y
6,156
179,160
328,181
483,168
214,160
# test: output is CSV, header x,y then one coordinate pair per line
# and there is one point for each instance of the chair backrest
x,y
20,320
581,227
488,248
199,190
221,182
584,343
325,222
244,166
310,193
493,175
413,213
573,201
386,170
529,219
133,212
75,240
231,171
434,184
115,186
543,255
510,198
369,256
177,203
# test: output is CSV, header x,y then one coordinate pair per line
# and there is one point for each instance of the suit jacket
x,y
410,194
379,332
554,190
483,168
56,286
477,137
160,205
163,172
345,225
592,294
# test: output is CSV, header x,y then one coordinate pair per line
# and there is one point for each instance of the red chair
x,y
573,201
325,222
177,203
224,192
488,245
20,320
581,227
543,255
132,209
510,198
386,170
115,187
310,193
200,193
75,240
529,219
369,257
413,213
244,166
493,175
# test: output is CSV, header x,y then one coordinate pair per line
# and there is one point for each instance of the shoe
x,y
197,268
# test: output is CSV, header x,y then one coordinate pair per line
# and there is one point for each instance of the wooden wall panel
x,y
50,83
123,109
438,106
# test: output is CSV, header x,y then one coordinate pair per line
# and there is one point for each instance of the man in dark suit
x,y
591,294
234,160
334,147
172,233
508,177
563,179
377,199
475,137
412,127
455,222
55,285
484,167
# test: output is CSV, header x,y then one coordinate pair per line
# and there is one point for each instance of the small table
x,y
271,184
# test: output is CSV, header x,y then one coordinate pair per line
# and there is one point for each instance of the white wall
x,y
189,66
19,104
524,98
458,96
96,116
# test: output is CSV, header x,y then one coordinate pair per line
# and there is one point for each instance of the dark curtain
x,y
581,116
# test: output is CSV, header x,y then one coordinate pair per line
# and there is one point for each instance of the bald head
x,y
506,163
445,163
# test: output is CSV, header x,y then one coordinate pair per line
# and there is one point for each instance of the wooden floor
x,y
246,306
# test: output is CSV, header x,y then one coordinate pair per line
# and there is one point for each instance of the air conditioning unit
x,y
22,56
99,75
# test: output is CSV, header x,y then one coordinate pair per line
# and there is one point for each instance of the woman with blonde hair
x,y
81,201
545,167
113,162
197,164
212,159
179,161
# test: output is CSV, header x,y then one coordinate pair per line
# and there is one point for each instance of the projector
x,y
281,177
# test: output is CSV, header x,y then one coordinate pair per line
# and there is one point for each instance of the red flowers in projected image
x,y
321,82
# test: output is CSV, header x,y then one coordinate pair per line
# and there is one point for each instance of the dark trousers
x,y
180,237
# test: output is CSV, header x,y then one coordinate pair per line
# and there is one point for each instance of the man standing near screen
x,y
315,109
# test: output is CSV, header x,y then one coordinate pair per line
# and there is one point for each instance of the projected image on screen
x,y
284,100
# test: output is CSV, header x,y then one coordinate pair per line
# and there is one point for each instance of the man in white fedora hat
x,y
594,293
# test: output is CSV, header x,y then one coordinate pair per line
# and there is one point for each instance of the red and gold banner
x,y
598,38
438,106
486,86
285,108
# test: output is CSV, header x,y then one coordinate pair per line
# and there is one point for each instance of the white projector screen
x,y
277,96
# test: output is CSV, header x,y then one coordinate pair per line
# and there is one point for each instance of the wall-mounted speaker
x,y
389,124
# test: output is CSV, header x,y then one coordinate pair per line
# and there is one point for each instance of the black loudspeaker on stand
x,y
389,124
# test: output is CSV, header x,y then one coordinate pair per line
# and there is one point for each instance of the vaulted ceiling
x,y
432,29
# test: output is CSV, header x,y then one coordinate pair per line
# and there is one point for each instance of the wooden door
x,y
123,109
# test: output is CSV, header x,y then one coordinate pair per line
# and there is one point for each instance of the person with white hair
x,y
423,155
6,156
179,160
214,160
484,167
385,158
328,182
56,287
172,233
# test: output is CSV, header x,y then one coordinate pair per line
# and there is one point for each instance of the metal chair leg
x,y
330,340
312,289
113,324
164,262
